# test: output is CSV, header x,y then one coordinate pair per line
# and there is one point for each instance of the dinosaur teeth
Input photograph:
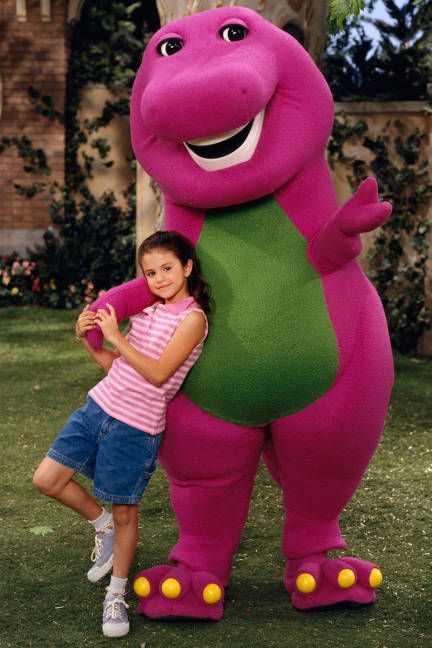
x,y
208,141
227,149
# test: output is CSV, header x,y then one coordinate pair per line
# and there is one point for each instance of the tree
x,y
398,66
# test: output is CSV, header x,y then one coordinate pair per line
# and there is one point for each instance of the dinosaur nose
x,y
203,103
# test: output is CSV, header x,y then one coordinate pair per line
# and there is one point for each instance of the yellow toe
x,y
305,583
346,578
212,593
171,588
375,578
142,587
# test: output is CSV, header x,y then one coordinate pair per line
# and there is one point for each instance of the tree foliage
x,y
341,10
396,67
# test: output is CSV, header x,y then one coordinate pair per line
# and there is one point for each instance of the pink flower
x,y
101,292
90,285
25,264
36,286
88,299
15,266
27,272
73,289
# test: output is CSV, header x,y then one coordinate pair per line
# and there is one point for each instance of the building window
x,y
21,10
45,10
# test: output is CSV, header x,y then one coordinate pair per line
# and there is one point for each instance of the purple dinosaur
x,y
231,117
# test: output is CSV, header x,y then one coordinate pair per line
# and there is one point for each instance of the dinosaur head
x,y
227,108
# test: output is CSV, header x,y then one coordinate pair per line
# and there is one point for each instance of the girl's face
x,y
165,274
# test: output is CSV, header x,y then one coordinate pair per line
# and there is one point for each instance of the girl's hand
x,y
108,324
84,323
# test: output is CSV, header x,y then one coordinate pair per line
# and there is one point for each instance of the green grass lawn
x,y
46,598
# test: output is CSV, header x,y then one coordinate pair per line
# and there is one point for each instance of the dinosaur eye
x,y
233,32
170,46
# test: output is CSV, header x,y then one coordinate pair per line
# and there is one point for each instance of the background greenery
x,y
47,600
396,66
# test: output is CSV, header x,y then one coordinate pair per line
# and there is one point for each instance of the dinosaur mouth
x,y
227,149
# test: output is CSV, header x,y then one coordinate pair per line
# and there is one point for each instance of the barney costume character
x,y
231,117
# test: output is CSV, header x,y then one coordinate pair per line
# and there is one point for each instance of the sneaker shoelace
x,y
99,534
113,610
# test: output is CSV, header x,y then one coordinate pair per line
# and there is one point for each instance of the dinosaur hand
x,y
363,212
339,241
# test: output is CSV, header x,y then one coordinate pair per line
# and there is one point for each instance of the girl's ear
x,y
188,267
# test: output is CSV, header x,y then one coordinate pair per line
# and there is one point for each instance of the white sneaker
x,y
103,553
115,622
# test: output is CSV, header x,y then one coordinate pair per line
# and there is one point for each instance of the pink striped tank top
x,y
126,395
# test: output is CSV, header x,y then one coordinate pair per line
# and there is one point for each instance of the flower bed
x,y
21,282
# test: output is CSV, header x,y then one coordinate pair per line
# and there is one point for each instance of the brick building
x,y
32,54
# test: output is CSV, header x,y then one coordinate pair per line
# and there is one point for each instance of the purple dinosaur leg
x,y
319,456
211,466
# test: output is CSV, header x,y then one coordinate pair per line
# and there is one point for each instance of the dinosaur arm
x,y
128,299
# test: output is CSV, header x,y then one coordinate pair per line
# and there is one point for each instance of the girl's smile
x,y
165,274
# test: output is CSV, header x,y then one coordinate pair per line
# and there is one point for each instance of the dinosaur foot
x,y
167,592
318,581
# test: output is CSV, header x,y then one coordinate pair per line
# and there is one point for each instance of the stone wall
x,y
32,53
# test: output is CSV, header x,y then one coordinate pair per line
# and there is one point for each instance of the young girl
x,y
114,439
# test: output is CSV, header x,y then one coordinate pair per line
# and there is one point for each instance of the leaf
x,y
41,530
132,7
339,10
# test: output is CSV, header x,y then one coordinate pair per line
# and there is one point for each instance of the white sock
x,y
104,518
117,585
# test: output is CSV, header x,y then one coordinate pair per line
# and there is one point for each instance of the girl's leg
x,y
115,622
126,538
55,480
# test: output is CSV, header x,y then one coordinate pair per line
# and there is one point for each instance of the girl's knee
x,y
50,477
44,482
125,514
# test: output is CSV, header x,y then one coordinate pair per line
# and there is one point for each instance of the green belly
x,y
271,349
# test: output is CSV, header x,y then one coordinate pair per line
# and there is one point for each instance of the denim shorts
x,y
119,458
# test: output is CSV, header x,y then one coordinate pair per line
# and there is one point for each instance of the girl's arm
x,y
103,357
187,335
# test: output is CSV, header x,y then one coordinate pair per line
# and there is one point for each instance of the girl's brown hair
x,y
183,249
